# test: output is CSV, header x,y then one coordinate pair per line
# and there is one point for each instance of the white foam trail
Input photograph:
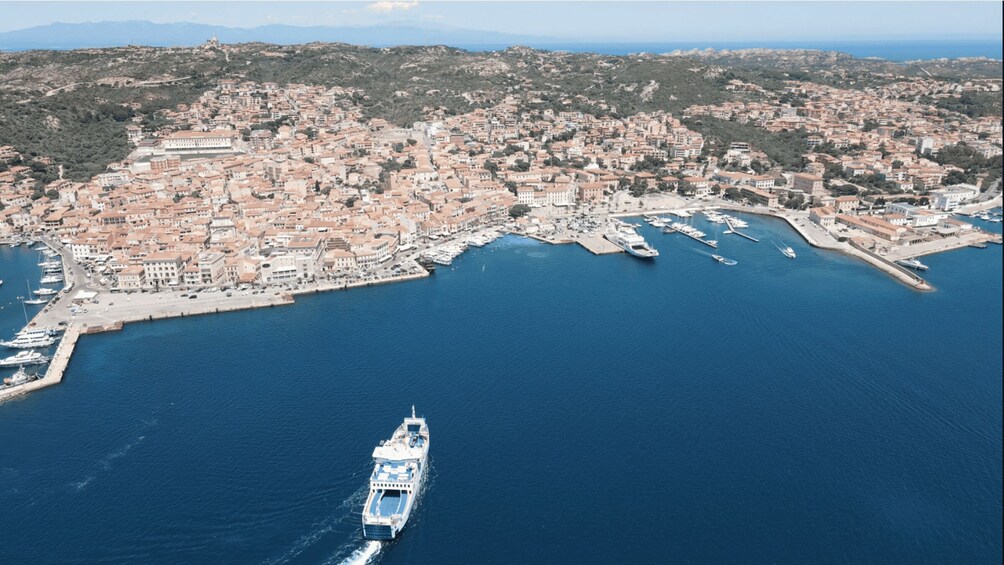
x,y
364,554
341,514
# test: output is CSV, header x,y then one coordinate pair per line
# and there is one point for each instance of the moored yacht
x,y
30,340
45,291
399,467
24,358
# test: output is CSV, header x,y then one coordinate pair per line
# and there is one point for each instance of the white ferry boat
x,y
24,358
30,340
912,264
399,467
632,243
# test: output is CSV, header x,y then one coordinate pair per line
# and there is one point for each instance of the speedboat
x,y
786,250
912,264
725,260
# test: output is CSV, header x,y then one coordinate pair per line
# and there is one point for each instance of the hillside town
x,y
264,184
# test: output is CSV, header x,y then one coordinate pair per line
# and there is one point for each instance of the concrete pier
x,y
598,245
741,234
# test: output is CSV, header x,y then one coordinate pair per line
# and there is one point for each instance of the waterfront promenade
x,y
82,307
109,311
102,311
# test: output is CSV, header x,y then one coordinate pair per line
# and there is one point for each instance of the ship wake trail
x,y
105,464
365,554
345,513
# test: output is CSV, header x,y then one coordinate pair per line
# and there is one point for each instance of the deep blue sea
x,y
582,409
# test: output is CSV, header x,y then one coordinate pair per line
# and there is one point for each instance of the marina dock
x,y
741,234
708,242
732,229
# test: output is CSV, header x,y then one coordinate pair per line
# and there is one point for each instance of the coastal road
x,y
990,193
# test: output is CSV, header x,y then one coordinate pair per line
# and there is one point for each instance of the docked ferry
x,y
632,243
399,466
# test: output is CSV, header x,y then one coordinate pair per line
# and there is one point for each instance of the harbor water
x,y
582,409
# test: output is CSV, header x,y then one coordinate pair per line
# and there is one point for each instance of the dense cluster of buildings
x,y
267,184
892,134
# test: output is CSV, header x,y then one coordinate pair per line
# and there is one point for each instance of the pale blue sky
x,y
571,20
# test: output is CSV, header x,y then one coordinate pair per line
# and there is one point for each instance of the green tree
x,y
519,210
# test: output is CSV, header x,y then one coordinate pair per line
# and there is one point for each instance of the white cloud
x,y
392,5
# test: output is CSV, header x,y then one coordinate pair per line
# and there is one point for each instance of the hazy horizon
x,y
563,21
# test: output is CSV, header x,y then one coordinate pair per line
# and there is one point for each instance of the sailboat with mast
x,y
41,299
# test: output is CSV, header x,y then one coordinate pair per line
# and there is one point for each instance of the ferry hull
x,y
640,255
379,532
397,480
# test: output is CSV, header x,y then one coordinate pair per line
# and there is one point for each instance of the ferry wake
x,y
399,466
